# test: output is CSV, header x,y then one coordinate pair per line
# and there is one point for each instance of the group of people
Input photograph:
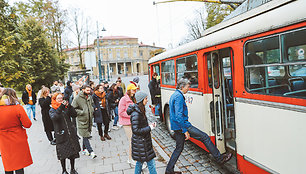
x,y
70,115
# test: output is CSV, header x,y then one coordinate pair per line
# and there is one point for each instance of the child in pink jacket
x,y
124,118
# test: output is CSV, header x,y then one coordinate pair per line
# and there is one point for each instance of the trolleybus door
x,y
217,100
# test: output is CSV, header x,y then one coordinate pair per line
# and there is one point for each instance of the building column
x,y
124,68
132,68
117,68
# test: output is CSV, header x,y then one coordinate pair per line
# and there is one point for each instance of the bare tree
x,y
78,29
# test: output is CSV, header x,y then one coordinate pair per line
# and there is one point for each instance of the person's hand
x,y
152,125
187,135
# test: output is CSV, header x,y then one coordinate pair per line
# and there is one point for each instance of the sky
x,y
164,24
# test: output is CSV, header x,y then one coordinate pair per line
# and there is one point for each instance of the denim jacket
x,y
178,112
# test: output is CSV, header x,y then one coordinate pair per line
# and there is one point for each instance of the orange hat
x,y
131,86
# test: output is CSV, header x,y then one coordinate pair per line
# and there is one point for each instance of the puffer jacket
x,y
142,149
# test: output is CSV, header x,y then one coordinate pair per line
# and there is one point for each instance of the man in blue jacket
x,y
183,129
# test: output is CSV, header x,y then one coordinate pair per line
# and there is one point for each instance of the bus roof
x,y
272,15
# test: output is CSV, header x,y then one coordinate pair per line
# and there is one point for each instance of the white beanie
x,y
139,96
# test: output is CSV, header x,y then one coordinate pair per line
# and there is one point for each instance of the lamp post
x,y
99,58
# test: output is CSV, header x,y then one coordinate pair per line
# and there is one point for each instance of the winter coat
x,y
25,97
84,108
97,109
142,149
67,143
154,91
68,92
45,108
111,97
14,147
124,118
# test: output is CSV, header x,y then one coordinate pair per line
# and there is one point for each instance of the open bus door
x,y
222,106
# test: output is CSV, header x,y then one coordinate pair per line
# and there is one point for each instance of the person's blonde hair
x,y
12,96
44,91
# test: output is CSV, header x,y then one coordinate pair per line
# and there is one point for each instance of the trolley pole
x,y
99,56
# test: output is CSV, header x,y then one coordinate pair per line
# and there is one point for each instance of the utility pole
x,y
99,59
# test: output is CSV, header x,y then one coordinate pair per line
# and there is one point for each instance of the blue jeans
x,y
86,144
196,134
29,109
151,167
116,116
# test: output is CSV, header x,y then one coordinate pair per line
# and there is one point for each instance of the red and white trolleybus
x,y
248,86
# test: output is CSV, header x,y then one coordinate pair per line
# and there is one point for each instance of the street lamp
x,y
98,47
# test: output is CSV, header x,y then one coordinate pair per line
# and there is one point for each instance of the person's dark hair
x,y
97,87
142,108
12,96
86,86
113,88
118,81
91,83
154,74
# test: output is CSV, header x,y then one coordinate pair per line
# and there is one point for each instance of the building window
x,y
168,76
125,53
141,53
118,54
187,68
277,65
135,53
110,54
117,42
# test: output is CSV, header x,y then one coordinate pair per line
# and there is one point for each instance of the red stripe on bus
x,y
200,144
246,167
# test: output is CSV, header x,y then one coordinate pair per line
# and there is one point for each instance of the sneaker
x,y
93,155
35,119
115,127
102,138
226,158
85,152
119,126
52,142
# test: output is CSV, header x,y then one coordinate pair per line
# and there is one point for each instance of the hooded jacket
x,y
142,149
83,105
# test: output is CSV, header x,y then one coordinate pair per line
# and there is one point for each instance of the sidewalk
x,y
112,154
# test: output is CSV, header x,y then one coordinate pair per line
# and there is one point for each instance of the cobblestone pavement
x,y
112,154
193,158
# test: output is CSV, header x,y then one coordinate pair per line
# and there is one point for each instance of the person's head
x,y
57,97
86,89
183,85
141,97
119,78
113,88
12,98
136,80
118,82
99,88
44,92
55,82
131,90
154,75
29,87
92,84
69,83
102,84
106,84
61,84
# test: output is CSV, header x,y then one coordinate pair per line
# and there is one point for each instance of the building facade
x,y
123,56
119,55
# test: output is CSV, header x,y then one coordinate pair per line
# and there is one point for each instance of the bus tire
x,y
167,121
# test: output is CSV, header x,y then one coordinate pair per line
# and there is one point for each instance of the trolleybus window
x,y
187,67
277,65
168,76
209,69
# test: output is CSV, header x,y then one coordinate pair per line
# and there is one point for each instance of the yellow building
x,y
119,55
122,55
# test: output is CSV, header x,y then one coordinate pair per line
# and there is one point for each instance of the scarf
x,y
101,95
54,103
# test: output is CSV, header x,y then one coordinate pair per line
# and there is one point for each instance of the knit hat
x,y
139,96
136,80
131,86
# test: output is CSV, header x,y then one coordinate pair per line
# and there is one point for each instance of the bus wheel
x,y
168,124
